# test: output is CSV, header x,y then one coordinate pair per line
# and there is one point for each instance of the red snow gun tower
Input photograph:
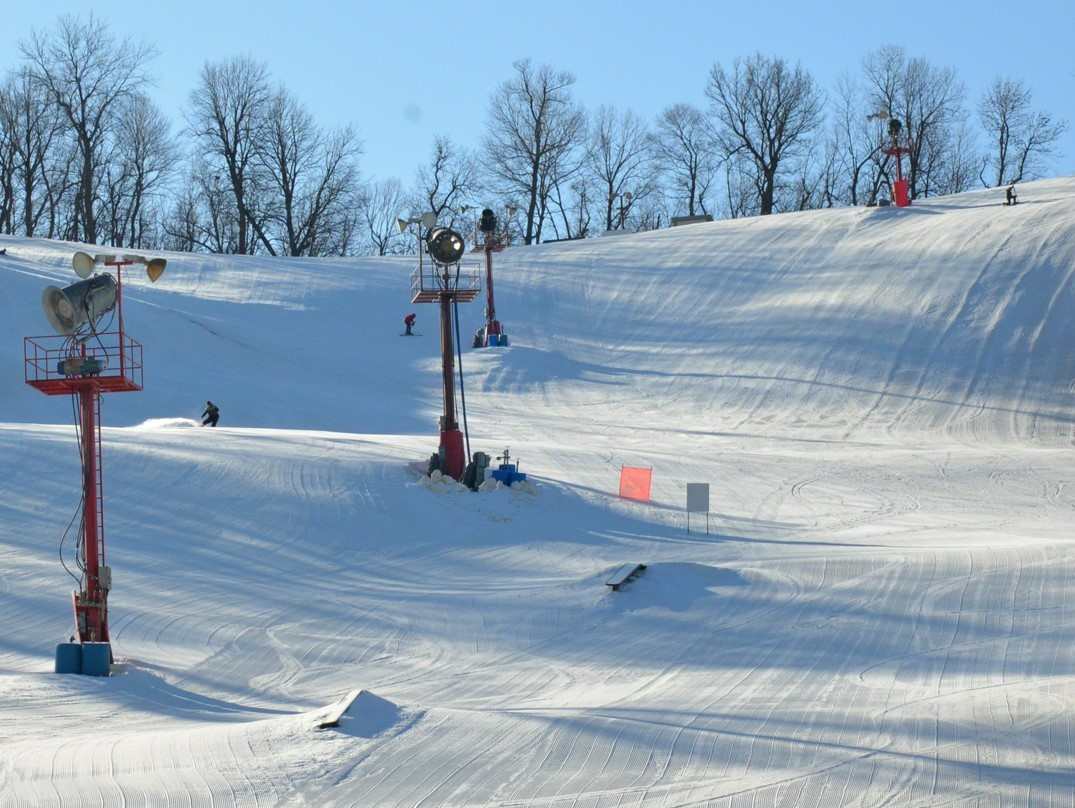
x,y
896,147
494,239
443,281
85,361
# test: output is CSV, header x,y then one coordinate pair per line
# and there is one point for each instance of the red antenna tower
x,y
85,363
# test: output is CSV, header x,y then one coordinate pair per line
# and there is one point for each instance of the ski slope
x,y
879,614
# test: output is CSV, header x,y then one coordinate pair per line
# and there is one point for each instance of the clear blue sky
x,y
403,72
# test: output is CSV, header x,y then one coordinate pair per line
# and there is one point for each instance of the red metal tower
x,y
493,240
445,282
70,364
897,148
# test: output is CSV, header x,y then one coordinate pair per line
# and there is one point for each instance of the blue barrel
x,y
96,658
503,340
494,340
69,657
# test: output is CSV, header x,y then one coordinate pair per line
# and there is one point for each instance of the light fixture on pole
x,y
445,283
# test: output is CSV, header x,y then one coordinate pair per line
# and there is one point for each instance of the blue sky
x,y
404,72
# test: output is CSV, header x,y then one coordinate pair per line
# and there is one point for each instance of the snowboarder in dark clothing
x,y
1009,195
211,414
409,322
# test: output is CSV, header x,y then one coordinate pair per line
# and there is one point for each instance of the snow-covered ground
x,y
881,401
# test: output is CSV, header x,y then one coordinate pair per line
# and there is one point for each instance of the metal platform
x,y
430,283
109,362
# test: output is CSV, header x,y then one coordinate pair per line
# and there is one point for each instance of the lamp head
x,y
445,246
84,264
155,268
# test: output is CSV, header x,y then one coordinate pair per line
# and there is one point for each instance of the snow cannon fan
x,y
487,223
84,302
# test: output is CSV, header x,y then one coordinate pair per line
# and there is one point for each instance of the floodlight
x,y
445,246
155,268
427,220
83,265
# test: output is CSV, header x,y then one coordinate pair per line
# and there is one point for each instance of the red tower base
x,y
454,459
899,194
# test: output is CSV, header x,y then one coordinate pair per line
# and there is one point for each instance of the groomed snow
x,y
881,612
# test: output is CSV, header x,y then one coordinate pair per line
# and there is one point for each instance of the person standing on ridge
x,y
409,322
211,414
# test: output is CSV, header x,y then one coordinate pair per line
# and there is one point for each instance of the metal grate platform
x,y
430,283
110,362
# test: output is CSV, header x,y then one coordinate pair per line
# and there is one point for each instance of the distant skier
x,y
409,322
211,414
1009,195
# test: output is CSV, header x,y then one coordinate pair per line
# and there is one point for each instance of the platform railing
x,y
109,361
430,282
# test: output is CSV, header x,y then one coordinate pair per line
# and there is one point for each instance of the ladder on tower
x,y
100,503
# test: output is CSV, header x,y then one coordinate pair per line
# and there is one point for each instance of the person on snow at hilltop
x,y
409,322
211,414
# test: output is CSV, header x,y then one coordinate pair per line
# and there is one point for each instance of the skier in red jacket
x,y
409,322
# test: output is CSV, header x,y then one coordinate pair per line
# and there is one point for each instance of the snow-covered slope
x,y
880,400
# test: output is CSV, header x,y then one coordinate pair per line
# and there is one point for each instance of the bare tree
x,y
928,100
740,187
182,223
315,176
384,202
202,215
145,161
534,128
686,153
765,110
815,184
88,75
449,179
961,159
1021,138
572,206
620,159
227,118
9,157
855,145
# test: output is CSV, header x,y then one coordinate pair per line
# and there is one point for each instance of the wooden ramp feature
x,y
625,574
334,712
